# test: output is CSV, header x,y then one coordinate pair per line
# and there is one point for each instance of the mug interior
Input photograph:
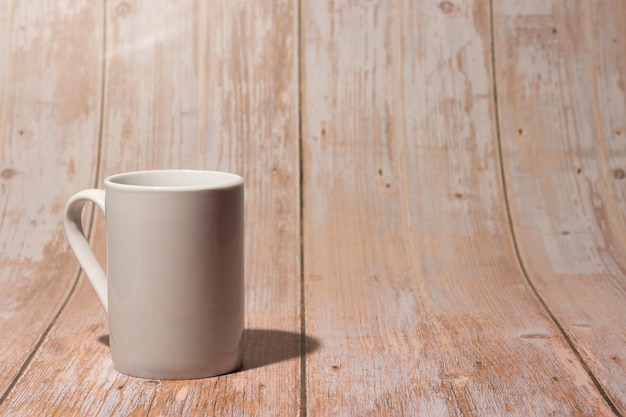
x,y
174,179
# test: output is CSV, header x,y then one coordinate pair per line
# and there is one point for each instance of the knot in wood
x,y
8,173
446,7
122,9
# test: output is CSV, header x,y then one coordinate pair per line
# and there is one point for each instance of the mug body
x,y
175,273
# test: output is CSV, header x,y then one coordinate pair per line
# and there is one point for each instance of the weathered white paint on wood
x,y
193,86
411,278
415,300
562,92
50,76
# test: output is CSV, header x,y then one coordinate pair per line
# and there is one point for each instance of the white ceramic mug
x,y
175,286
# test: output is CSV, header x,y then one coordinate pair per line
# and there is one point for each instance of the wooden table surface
x,y
435,207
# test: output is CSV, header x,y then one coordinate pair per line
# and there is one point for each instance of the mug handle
x,y
79,244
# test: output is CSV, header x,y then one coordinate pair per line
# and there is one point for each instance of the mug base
x,y
153,373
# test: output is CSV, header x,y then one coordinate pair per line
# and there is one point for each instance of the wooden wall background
x,y
436,199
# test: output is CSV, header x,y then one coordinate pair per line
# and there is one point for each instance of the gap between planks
x,y
303,337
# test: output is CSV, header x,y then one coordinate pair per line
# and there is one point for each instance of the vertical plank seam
x,y
103,85
78,273
514,238
300,86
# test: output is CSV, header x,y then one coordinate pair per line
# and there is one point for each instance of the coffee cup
x,y
174,287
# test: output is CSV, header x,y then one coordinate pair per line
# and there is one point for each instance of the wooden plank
x,y
49,121
193,86
563,114
411,277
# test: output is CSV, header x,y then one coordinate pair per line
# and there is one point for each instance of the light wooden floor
x,y
436,199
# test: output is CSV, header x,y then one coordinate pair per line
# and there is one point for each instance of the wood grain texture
x,y
50,81
190,85
463,246
411,278
563,112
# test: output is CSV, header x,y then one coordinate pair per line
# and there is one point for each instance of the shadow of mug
x,y
264,347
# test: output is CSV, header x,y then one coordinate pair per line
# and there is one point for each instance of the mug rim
x,y
227,181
